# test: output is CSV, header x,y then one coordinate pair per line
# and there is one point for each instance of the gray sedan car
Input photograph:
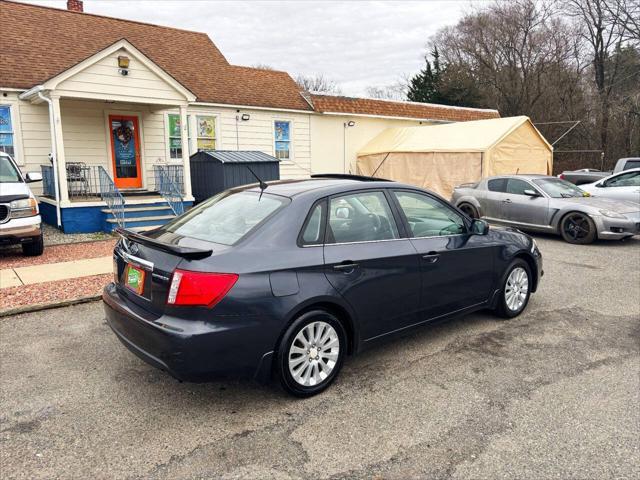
x,y
548,204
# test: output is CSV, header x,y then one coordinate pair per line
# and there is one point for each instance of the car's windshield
x,y
557,188
8,172
227,217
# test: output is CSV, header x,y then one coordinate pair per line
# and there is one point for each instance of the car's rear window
x,y
227,217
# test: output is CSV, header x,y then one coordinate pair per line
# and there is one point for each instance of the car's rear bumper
x,y
188,350
617,228
20,230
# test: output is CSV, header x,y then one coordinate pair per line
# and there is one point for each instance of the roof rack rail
x,y
347,176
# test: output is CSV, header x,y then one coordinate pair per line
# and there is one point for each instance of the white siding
x,y
103,79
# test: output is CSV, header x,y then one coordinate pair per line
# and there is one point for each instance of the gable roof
x,y
390,108
473,136
42,42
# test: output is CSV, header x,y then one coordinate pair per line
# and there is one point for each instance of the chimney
x,y
75,5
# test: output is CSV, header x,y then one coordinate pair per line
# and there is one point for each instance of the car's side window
x,y
631,179
312,233
428,216
517,187
360,217
497,185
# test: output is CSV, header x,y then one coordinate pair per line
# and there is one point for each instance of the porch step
x,y
142,211
153,218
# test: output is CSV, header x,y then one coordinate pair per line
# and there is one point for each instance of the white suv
x,y
19,215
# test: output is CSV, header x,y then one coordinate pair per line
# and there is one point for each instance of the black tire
x,y
287,380
503,309
33,248
577,228
469,209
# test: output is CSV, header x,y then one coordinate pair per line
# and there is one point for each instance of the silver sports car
x,y
548,204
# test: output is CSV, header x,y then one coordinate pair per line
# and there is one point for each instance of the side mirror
x,y
33,177
531,193
479,227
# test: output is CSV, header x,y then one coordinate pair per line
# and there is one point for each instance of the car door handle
x,y
347,266
431,257
508,200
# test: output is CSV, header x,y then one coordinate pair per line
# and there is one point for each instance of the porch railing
x,y
169,188
83,181
111,196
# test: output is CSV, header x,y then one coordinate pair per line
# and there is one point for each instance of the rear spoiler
x,y
184,252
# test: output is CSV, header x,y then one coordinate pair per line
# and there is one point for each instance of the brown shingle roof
x,y
388,108
41,42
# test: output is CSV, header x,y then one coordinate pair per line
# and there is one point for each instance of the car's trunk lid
x,y
154,258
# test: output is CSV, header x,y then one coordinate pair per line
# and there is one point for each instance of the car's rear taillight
x,y
561,176
198,288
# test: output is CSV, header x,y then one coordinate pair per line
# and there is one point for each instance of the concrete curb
x,y
47,306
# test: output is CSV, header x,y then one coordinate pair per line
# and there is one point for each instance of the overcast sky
x,y
356,43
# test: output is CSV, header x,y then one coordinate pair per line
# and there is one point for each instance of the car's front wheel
x,y
578,228
34,248
516,289
311,353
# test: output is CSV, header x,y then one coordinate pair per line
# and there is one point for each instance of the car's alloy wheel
x,y
516,289
578,228
311,353
469,209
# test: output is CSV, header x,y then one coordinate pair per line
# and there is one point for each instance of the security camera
x,y
123,71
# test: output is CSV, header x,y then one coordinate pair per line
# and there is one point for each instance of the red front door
x,y
125,151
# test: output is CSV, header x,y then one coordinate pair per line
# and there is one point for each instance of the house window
x,y
175,140
282,140
7,143
206,129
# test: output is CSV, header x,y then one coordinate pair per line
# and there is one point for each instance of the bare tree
x,y
602,32
395,91
262,66
627,14
318,83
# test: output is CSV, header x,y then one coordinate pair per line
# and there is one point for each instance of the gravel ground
x,y
52,293
553,393
53,236
12,258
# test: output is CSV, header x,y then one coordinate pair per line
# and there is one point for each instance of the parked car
x,y
589,175
619,186
19,213
548,204
294,277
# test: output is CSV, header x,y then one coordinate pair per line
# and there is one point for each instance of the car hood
x,y
618,206
13,190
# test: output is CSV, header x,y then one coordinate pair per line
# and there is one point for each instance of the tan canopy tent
x,y
439,157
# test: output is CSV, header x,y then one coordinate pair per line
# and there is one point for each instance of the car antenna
x,y
262,183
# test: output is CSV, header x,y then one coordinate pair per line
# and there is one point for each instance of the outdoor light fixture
x,y
245,117
350,123
123,65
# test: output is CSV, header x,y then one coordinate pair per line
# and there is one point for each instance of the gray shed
x,y
213,171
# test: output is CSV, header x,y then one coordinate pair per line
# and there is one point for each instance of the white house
x,y
110,110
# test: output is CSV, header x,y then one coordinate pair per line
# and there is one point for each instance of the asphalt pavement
x,y
554,393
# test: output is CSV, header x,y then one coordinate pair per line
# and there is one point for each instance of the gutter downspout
x,y
54,153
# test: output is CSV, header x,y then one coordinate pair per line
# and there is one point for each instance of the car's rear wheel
x,y
577,228
311,353
34,248
516,289
469,209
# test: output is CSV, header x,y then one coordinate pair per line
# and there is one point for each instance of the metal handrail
x,y
111,196
169,189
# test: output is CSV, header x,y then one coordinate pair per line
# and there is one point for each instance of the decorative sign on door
x,y
125,148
